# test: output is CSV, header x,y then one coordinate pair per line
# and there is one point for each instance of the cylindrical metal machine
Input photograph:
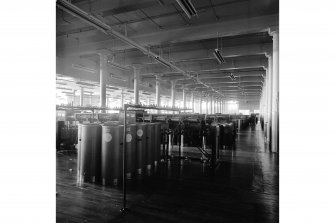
x,y
111,161
157,144
130,149
90,152
150,145
239,124
141,145
79,178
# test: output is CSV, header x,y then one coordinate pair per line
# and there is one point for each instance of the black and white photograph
x,y
167,111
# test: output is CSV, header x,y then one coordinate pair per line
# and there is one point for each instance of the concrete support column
x,y
184,98
207,104
81,96
91,99
275,92
122,97
137,68
74,97
214,101
173,95
269,102
103,78
211,106
158,92
200,103
192,101
220,105
223,106
222,110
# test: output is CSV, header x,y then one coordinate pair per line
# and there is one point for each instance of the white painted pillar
x,y
192,101
173,89
207,104
91,99
215,106
122,97
200,103
220,105
211,105
74,97
148,100
81,96
137,68
184,98
158,92
269,102
103,78
275,92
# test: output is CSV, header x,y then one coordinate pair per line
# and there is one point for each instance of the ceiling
x,y
239,28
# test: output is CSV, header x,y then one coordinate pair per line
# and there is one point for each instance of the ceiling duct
x,y
187,7
77,12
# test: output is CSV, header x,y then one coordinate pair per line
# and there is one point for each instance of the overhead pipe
x,y
77,12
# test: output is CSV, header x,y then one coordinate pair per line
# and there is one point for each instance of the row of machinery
x,y
149,138
100,149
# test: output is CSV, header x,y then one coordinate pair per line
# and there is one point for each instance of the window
x,y
244,112
232,106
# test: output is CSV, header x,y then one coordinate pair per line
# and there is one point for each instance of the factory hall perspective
x,y
167,111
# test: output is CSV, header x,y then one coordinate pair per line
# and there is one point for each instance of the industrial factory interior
x,y
167,111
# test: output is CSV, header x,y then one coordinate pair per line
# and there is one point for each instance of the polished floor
x,y
244,187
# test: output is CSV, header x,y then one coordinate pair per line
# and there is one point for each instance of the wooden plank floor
x,y
243,188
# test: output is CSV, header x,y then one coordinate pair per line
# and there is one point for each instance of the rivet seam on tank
x,y
139,132
107,137
128,138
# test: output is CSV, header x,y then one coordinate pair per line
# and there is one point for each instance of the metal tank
x,y
79,178
111,153
90,152
141,145
130,150
150,145
157,147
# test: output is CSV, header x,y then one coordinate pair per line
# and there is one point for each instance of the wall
x,y
251,105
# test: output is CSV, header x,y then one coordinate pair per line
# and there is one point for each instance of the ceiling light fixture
x,y
187,7
112,88
84,83
217,53
218,56
232,77
117,78
63,88
83,68
162,62
118,66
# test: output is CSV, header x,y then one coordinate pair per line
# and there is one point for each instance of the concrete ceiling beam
x,y
182,34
